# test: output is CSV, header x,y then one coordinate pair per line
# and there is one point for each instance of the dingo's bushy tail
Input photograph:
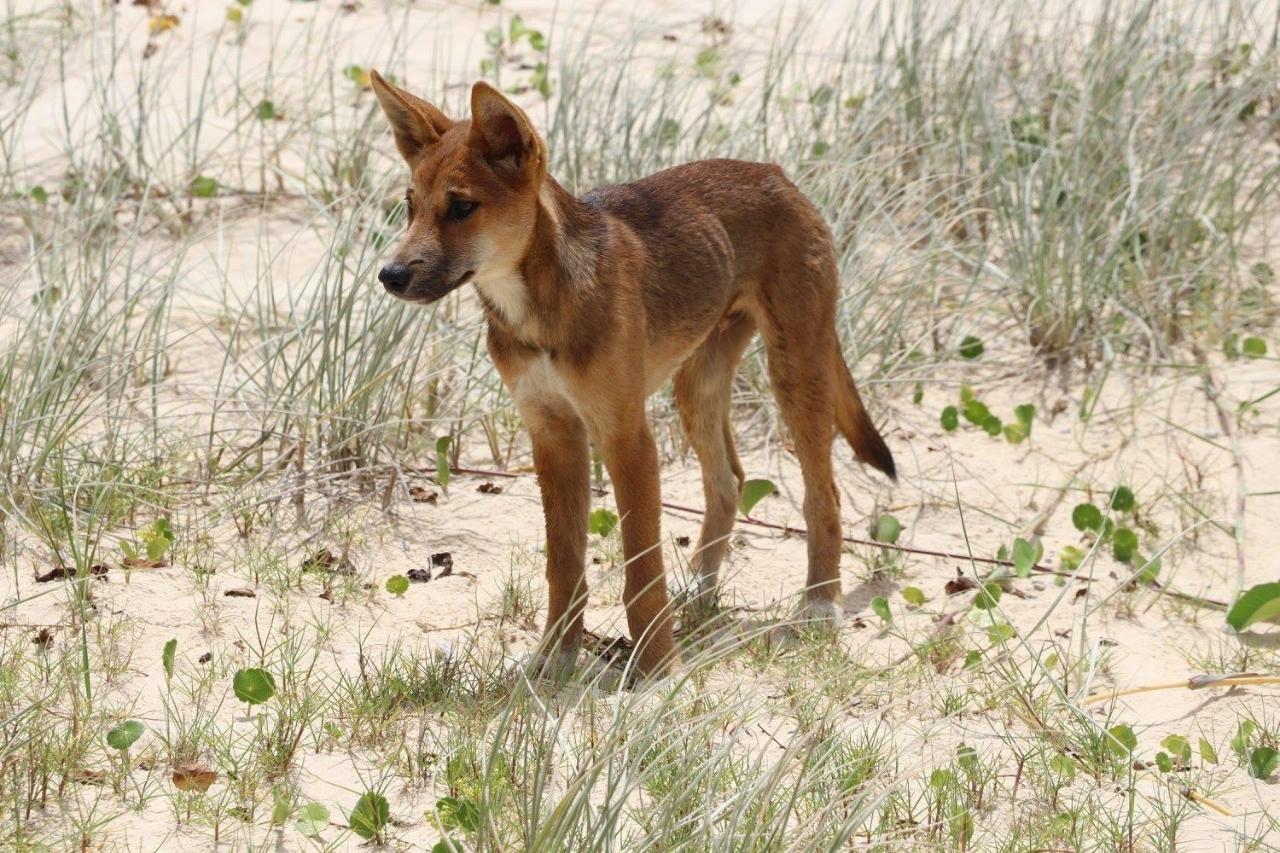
x,y
855,424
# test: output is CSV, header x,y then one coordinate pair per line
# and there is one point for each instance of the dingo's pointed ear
x,y
416,123
503,133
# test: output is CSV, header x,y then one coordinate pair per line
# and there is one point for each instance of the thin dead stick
x,y
1196,682
887,546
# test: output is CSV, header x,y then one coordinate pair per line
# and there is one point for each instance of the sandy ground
x,y
1151,430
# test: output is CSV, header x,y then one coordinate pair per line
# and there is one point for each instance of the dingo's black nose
x,y
395,277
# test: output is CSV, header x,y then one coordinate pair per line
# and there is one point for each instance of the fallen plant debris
x,y
142,563
97,570
443,560
419,575
240,592
487,488
193,776
324,560
612,650
423,495
960,583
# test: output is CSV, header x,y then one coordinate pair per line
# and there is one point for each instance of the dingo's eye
x,y
460,209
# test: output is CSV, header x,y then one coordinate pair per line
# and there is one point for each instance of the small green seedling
x,y
155,540
458,813
397,585
913,596
371,814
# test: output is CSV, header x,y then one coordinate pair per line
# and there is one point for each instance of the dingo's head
x,y
472,196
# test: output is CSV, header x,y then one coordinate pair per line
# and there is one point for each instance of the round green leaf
x,y
976,412
971,347
1122,499
125,734
1086,517
880,607
754,491
888,529
1001,632
1025,415
913,595
1257,603
950,418
1025,556
203,186
1121,740
987,596
1263,761
1015,433
266,110
254,686
313,819
1254,347
602,522
1124,542
371,814
397,585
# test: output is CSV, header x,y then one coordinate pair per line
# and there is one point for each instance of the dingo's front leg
x,y
563,463
632,460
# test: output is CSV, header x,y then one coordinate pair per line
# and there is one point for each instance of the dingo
x,y
593,303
